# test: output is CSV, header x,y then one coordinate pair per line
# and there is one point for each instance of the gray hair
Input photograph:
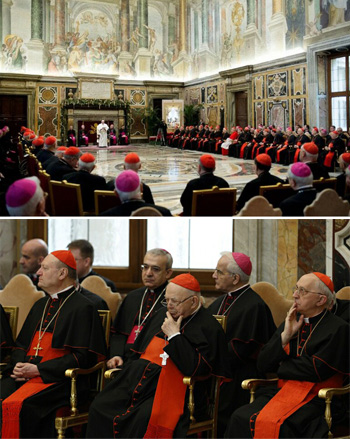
x,y
125,196
29,208
300,181
233,268
162,252
86,165
323,289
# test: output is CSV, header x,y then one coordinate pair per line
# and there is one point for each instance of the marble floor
x,y
167,170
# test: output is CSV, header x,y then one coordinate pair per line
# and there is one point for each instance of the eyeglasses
x,y
174,302
154,268
222,273
302,291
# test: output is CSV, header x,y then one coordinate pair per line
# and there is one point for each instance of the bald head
x,y
32,254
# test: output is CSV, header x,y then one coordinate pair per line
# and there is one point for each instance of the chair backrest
x,y
45,178
21,292
12,315
259,206
146,211
66,198
327,203
214,202
325,183
105,200
343,293
97,285
276,193
277,303
33,165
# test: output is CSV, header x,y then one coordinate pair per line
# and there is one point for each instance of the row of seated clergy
x,y
63,330
309,351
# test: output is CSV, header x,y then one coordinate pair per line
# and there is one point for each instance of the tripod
x,y
160,136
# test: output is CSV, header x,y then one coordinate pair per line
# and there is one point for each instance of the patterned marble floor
x,y
167,170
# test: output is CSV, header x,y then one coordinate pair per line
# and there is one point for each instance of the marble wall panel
x,y
287,267
137,123
312,246
8,250
47,120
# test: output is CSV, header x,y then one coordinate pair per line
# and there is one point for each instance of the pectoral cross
x,y
164,356
137,332
37,348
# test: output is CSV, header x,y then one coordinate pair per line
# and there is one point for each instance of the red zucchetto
x,y
207,161
65,256
187,281
132,157
264,159
325,279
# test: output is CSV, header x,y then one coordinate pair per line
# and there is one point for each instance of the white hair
x,y
86,165
300,181
133,166
29,208
125,196
233,267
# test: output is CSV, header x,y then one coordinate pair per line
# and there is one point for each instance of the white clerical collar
x,y
306,320
231,293
55,296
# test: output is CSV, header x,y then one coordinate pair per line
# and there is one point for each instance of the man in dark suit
x,y
88,182
300,178
65,165
127,186
262,166
48,150
206,180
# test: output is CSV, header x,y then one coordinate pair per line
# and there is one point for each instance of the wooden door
x,y
241,108
13,113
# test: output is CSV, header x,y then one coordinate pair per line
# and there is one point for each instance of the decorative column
x,y
143,56
36,45
60,28
6,18
1,36
181,64
125,56
206,57
278,28
252,39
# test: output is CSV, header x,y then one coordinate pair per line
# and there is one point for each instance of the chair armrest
x,y
253,383
110,374
73,375
329,392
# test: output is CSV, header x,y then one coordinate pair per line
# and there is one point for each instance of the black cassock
x,y
249,326
128,316
311,359
77,329
123,408
6,339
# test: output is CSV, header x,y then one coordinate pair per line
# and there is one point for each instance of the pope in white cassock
x,y
102,134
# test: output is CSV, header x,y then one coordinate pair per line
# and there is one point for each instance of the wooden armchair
x,y
97,285
327,394
105,200
66,198
146,211
45,178
275,194
78,415
259,206
327,203
20,292
11,313
210,424
214,202
324,183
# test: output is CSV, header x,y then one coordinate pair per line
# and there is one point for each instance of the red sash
x,y
329,157
242,150
292,396
11,406
170,394
296,155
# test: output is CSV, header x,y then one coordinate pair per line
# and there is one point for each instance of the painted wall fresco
x,y
148,39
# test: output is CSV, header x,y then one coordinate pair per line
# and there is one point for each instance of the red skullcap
x,y
325,279
311,148
65,256
264,159
72,150
23,128
51,140
31,136
62,148
346,157
127,181
243,261
87,158
335,132
316,129
38,142
207,161
132,157
300,169
186,280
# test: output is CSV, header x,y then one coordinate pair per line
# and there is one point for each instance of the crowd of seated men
x,y
318,150
283,146
162,332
